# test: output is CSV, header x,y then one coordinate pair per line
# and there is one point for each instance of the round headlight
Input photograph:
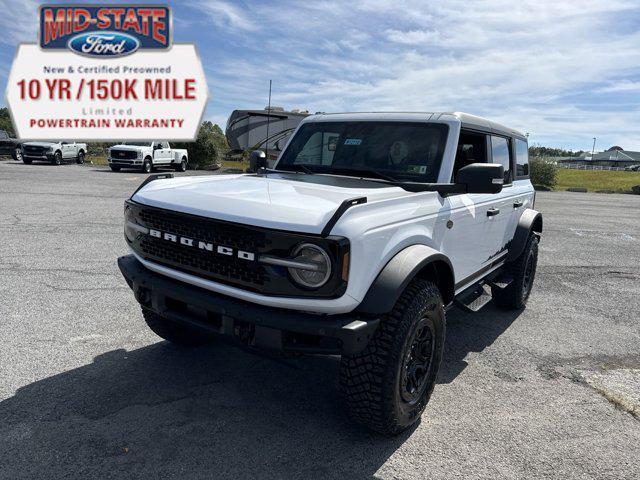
x,y
315,266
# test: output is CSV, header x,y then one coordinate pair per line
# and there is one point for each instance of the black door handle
x,y
492,212
518,204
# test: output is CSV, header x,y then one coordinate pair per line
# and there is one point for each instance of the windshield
x,y
393,150
137,144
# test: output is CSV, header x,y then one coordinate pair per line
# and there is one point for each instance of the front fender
x,y
400,271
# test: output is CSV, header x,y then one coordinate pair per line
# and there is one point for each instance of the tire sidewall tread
x,y
370,381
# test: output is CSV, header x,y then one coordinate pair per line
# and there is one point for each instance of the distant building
x,y
610,158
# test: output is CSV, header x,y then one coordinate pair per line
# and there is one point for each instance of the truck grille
x,y
235,269
201,262
34,149
124,154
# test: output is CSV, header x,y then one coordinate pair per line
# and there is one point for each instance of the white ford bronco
x,y
54,152
145,156
366,230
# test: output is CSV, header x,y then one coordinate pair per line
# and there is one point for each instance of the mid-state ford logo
x,y
104,44
105,30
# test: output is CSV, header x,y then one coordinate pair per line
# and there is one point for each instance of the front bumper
x,y
37,156
267,327
123,162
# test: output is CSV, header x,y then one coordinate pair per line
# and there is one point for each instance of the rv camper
x,y
247,129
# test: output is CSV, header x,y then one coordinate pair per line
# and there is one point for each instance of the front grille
x,y
234,269
34,149
209,264
124,154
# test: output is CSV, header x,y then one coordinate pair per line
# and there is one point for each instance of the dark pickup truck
x,y
10,146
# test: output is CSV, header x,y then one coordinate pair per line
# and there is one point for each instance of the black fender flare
x,y
413,261
530,221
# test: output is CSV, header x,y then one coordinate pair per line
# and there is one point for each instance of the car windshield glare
x,y
403,151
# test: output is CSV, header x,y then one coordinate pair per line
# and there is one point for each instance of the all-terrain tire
x,y
374,383
182,166
57,159
17,154
114,168
523,271
80,159
147,165
174,332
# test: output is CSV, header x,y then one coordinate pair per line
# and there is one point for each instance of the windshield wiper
x,y
365,173
294,168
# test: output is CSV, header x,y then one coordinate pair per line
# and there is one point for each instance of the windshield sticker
x,y
422,169
353,141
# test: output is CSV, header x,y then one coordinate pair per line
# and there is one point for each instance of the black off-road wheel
x,y
147,165
182,166
57,159
175,333
388,385
80,159
114,168
523,272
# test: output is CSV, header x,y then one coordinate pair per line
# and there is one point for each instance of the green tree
x,y
5,121
543,172
209,147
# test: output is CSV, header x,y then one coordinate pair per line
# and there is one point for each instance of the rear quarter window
x,y
522,159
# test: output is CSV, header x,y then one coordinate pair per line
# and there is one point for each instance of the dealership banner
x,y
106,72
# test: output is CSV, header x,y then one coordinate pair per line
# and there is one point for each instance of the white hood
x,y
39,144
266,201
132,148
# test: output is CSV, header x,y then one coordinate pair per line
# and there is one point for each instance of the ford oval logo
x,y
104,44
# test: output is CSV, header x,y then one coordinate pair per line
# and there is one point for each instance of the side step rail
x,y
472,299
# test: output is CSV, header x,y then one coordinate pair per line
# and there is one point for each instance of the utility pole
x,y
593,149
266,143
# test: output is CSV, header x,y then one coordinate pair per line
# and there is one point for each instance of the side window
x,y
522,159
3,135
165,144
472,148
500,154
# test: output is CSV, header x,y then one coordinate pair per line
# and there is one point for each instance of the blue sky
x,y
565,71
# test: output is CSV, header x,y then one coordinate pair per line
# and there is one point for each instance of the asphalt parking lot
x,y
87,391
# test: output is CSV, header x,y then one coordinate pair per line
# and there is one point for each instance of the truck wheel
x,y
80,159
17,154
387,386
147,166
175,332
57,159
182,166
523,272
114,168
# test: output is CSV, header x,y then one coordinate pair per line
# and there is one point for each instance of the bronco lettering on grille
x,y
209,247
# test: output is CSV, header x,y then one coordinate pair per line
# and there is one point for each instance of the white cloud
x,y
227,15
541,66
18,21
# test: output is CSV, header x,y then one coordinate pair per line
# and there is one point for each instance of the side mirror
x,y
482,177
257,161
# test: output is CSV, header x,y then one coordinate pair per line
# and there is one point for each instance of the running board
x,y
501,281
472,299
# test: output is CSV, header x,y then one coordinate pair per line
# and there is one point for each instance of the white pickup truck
x,y
147,155
54,152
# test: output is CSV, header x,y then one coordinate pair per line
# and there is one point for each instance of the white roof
x,y
466,119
